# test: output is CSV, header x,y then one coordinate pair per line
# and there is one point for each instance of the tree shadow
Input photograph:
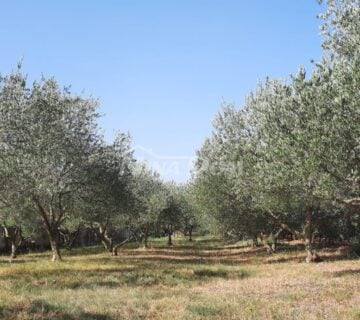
x,y
275,259
91,285
197,253
287,247
347,272
202,244
68,272
15,261
40,309
152,259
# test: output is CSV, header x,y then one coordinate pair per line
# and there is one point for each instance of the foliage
x,y
290,157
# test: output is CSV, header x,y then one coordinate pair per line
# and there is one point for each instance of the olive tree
x,y
150,199
46,138
106,200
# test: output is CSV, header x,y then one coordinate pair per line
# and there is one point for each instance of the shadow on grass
x,y
198,253
286,247
147,278
221,273
177,247
68,272
155,259
347,272
40,309
275,259
91,285
144,273
83,250
15,261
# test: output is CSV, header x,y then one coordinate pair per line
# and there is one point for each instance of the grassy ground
x,y
206,279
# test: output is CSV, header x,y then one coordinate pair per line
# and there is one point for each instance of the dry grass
x,y
206,279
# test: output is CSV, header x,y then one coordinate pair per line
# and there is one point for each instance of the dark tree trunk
x,y
119,245
169,242
190,234
255,241
157,232
69,237
146,236
145,241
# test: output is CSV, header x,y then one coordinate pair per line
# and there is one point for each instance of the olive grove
x,y
289,159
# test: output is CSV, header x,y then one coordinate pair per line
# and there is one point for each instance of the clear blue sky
x,y
162,67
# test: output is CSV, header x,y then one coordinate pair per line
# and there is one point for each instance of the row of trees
x,y
288,161
290,158
55,168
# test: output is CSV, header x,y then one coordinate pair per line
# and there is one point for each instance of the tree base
x,y
313,258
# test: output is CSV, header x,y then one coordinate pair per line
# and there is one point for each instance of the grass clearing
x,y
188,281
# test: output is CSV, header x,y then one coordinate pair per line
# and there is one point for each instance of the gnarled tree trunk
x,y
106,241
119,245
51,225
270,241
307,235
69,237
101,230
14,236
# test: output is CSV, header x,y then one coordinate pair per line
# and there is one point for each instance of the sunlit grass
x,y
203,279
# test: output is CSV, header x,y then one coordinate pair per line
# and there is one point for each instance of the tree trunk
x,y
169,242
69,238
13,250
311,255
107,242
190,234
52,231
272,240
145,241
146,236
255,241
114,251
104,238
268,242
273,246
52,234
54,248
270,248
14,236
